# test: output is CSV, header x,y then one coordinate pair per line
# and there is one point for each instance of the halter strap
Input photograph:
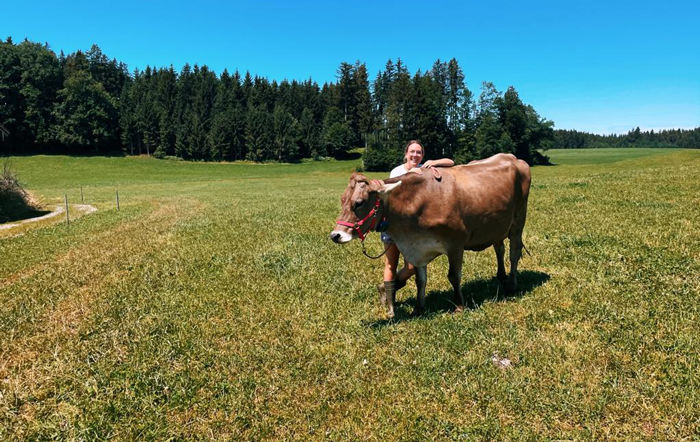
x,y
356,226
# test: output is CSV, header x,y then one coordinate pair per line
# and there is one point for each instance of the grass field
x,y
214,306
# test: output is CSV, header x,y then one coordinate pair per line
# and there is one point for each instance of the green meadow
x,y
213,305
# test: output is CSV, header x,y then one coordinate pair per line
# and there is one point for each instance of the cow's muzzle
x,y
340,237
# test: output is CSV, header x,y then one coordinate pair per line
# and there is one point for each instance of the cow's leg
x,y
454,275
500,249
516,249
421,281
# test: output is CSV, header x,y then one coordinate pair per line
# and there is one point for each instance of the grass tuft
x,y
15,202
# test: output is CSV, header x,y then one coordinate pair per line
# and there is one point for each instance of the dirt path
x,y
85,209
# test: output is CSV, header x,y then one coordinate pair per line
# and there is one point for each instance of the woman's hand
x,y
428,164
416,170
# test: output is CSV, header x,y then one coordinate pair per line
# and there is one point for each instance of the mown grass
x,y
214,306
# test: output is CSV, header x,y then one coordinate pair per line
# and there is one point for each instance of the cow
x,y
468,207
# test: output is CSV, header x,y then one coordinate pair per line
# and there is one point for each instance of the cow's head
x,y
357,202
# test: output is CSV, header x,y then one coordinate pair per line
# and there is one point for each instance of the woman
x,y
413,155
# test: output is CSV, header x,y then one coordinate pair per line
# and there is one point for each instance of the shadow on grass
x,y
26,214
480,291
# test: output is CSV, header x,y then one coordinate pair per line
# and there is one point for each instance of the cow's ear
x,y
381,187
385,189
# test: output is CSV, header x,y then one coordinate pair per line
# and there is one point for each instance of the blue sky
x,y
602,67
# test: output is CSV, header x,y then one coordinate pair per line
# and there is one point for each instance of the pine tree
x,y
491,138
146,113
286,134
110,73
228,127
380,101
309,135
165,102
457,94
336,133
363,100
127,111
514,122
203,99
183,112
426,121
247,90
488,101
259,136
397,112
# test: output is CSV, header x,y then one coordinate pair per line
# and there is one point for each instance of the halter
x,y
356,226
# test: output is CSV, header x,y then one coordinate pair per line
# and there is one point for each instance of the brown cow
x,y
472,207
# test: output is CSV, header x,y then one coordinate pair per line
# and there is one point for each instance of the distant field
x,y
214,306
574,157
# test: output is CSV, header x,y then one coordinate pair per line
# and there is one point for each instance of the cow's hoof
x,y
382,294
511,286
459,309
390,315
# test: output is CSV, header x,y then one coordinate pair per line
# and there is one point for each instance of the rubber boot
x,y
390,296
382,294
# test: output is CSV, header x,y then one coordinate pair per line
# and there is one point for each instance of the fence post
x,y
117,199
65,198
82,199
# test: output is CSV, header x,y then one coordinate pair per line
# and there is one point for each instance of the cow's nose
x,y
335,237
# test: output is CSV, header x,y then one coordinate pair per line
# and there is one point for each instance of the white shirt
x,y
400,170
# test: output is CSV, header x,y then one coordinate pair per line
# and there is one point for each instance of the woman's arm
x,y
442,162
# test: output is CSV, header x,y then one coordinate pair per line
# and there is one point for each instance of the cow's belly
x,y
482,236
420,250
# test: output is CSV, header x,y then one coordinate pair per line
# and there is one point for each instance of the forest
x,y
573,139
85,103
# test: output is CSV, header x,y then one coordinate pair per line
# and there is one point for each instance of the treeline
x,y
573,139
86,103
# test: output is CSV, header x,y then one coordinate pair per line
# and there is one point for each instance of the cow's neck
x,y
400,205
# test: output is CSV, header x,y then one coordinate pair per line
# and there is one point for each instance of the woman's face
x,y
414,155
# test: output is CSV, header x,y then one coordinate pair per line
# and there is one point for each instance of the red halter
x,y
356,226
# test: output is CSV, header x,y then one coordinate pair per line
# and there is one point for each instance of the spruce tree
x,y
514,122
309,135
286,134
363,100
127,111
183,112
165,102
259,137
336,135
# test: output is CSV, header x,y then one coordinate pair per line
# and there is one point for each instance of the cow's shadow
x,y
480,290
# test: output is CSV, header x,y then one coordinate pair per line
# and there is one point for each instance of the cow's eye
x,y
359,203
